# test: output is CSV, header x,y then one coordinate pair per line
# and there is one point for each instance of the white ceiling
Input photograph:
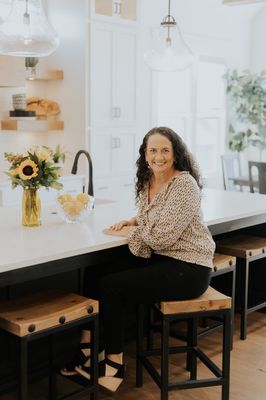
x,y
199,16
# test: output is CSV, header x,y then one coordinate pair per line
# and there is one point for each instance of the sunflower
x,y
27,170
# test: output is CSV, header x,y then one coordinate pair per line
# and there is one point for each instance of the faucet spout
x,y
75,168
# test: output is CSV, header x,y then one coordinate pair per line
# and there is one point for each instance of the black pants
x,y
146,281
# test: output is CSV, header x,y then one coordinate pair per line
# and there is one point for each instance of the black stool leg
x,y
52,372
23,372
226,354
139,345
233,293
150,323
244,278
164,357
192,342
94,358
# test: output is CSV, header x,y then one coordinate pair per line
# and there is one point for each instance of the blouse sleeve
x,y
181,205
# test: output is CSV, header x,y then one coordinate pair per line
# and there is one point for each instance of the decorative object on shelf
x,y
19,101
74,208
169,52
59,154
22,114
247,99
31,171
30,64
42,107
26,32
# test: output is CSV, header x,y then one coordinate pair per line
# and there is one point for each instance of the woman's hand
x,y
119,225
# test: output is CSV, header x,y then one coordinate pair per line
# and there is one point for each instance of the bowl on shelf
x,y
74,208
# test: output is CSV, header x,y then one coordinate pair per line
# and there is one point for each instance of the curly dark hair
x,y
183,159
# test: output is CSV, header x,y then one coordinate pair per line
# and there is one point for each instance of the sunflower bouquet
x,y
34,169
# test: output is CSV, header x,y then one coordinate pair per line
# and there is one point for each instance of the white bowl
x,y
74,208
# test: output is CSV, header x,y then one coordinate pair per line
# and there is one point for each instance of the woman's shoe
x,y
79,360
110,383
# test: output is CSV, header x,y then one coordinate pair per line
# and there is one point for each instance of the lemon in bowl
x,y
74,208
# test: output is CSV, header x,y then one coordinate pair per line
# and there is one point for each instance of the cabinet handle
x,y
113,112
116,8
113,143
116,142
119,5
118,112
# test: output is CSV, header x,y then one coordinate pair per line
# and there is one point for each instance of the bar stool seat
x,y
246,249
210,303
47,313
222,265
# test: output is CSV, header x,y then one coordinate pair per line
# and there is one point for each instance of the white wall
x,y
258,34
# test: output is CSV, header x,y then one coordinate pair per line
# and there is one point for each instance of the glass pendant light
x,y
26,32
169,52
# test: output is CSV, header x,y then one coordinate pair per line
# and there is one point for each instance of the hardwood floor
x,y
248,371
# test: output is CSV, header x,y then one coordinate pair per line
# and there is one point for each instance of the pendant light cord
x,y
169,8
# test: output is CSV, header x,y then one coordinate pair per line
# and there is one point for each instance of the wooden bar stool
x,y
46,314
210,303
246,249
223,264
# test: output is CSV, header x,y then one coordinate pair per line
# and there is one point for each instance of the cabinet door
x,y
101,74
113,75
101,147
124,94
123,154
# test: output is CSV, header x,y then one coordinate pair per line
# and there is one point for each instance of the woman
x,y
168,232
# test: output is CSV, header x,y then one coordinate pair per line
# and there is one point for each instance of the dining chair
x,y
257,173
231,168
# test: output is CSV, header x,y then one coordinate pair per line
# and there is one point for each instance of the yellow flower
x,y
43,154
27,170
13,171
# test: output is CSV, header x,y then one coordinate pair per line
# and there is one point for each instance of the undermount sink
x,y
99,202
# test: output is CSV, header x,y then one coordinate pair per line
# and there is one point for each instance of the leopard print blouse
x,y
171,224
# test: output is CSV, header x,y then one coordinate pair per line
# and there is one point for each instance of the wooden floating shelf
x,y
32,125
50,75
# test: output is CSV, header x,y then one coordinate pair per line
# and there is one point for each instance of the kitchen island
x,y
56,246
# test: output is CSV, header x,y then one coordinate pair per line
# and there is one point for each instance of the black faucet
x,y
75,167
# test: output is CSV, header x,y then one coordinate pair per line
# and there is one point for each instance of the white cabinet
x,y
112,107
113,75
113,154
120,9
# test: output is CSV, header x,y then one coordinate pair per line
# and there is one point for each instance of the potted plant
x,y
247,105
59,155
30,64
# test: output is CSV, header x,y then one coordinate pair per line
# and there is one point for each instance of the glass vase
x,y
31,208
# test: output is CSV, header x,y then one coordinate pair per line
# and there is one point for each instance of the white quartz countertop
x,y
55,239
